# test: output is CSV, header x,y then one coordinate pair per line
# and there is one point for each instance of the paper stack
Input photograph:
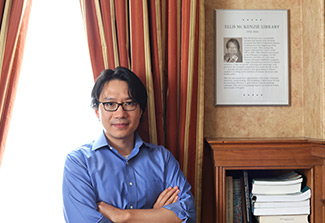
x,y
281,199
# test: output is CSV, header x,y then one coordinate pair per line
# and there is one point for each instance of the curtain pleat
x,y
157,44
122,22
109,34
200,47
162,41
93,36
15,16
140,61
173,77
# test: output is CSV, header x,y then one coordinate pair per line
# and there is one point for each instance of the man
x,y
118,177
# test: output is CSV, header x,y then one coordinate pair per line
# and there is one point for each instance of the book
x,y
243,199
276,189
304,203
281,211
288,178
247,197
283,218
282,184
299,196
237,201
229,200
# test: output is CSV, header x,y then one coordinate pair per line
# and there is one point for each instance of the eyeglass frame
x,y
118,105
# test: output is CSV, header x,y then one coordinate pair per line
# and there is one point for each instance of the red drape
x,y
163,43
15,16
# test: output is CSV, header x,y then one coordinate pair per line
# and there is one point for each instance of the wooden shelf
x,y
305,155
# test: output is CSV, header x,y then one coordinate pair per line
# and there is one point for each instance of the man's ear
x,y
141,115
97,112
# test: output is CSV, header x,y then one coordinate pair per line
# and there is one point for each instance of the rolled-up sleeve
x,y
79,197
184,208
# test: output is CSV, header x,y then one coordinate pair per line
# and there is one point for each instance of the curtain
x,y
13,27
162,41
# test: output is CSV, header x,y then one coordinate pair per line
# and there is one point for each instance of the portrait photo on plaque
x,y
232,49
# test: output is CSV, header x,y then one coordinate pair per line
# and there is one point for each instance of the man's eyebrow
x,y
111,99
108,98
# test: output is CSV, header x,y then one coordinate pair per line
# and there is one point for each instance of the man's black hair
x,y
137,90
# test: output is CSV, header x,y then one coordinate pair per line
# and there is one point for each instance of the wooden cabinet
x,y
304,155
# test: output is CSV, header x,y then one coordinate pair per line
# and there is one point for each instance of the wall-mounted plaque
x,y
251,57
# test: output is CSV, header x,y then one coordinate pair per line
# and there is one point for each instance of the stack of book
x,y
280,199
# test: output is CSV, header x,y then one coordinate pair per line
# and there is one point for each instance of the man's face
x,y
119,124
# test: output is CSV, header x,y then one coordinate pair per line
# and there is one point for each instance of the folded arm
x,y
156,214
137,215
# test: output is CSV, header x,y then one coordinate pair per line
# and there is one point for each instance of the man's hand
x,y
110,212
168,196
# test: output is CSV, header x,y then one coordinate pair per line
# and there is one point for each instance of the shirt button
x,y
131,183
131,207
127,163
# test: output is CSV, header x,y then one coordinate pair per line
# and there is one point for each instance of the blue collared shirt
x,y
97,172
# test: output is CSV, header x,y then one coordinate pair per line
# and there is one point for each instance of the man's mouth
x,y
120,124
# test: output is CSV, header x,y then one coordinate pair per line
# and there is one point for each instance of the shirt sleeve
x,y
184,208
79,197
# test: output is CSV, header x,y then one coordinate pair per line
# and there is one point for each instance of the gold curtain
x,y
14,21
162,41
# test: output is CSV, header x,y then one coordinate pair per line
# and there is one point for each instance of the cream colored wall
x,y
304,117
313,67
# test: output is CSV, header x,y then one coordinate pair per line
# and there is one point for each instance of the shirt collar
x,y
102,142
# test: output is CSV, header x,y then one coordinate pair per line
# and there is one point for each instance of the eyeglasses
x,y
113,106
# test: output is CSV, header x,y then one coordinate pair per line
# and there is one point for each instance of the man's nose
x,y
120,111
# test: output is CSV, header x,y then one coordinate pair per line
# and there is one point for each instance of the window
x,y
52,113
